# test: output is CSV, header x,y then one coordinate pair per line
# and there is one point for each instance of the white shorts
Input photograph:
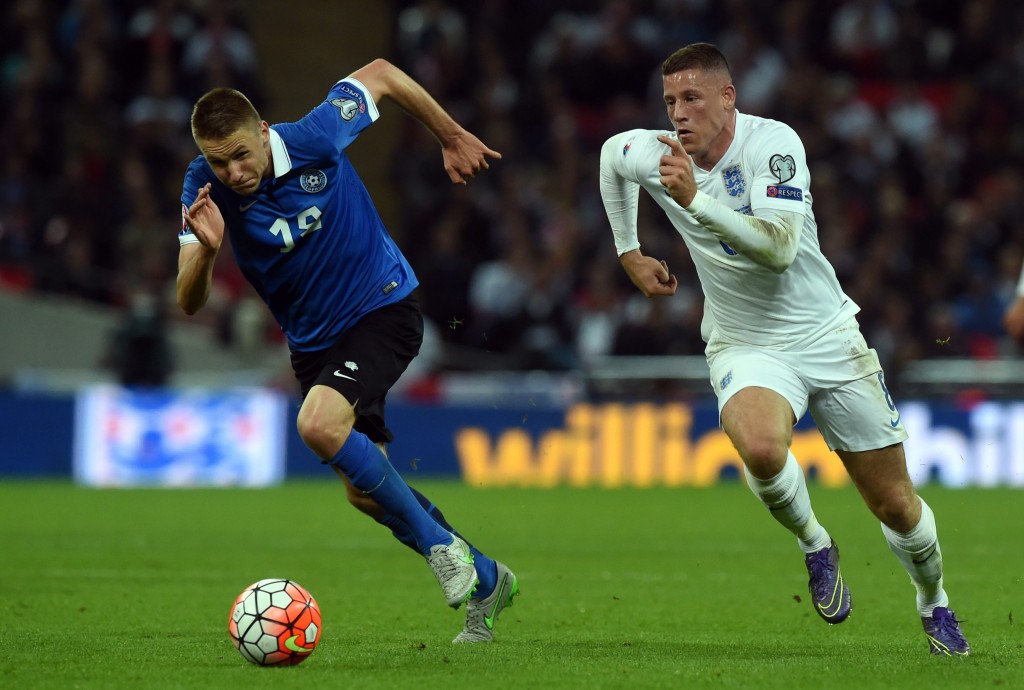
x,y
837,377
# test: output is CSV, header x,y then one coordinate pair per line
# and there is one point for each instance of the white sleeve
x,y
620,192
1020,283
769,238
782,178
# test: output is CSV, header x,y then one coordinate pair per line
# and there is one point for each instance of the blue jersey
x,y
310,239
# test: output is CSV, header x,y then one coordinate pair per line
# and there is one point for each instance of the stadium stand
x,y
911,112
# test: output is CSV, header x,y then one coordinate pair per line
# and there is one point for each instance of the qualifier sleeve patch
x,y
782,167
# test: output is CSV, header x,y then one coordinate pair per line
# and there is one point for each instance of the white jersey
x,y
764,170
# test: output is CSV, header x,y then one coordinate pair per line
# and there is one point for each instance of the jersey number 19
x,y
308,222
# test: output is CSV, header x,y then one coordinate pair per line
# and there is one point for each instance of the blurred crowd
x,y
910,111
96,138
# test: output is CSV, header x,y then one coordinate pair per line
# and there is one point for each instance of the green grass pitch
x,y
658,588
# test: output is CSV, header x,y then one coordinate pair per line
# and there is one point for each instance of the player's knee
x,y
764,457
897,511
323,433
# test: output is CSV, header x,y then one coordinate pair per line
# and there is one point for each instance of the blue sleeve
x,y
190,187
332,125
189,190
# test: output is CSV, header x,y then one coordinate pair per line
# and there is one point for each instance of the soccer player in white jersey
x,y
307,236
782,338
1013,320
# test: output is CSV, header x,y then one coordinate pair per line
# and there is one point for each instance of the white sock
x,y
785,495
918,550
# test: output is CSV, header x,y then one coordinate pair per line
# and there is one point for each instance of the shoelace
x,y
820,568
444,568
475,613
950,627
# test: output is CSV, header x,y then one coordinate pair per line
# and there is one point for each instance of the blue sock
x,y
486,570
370,471
400,531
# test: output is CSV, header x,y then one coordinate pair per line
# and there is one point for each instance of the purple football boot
x,y
828,589
944,635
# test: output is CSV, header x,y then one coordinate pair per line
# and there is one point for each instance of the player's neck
x,y
269,172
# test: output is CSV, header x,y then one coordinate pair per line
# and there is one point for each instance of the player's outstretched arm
x,y
196,259
650,275
464,154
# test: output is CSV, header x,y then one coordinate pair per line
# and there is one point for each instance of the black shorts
x,y
365,362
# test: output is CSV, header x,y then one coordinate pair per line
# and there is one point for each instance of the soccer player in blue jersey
x,y
307,236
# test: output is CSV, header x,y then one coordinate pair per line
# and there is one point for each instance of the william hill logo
x,y
617,445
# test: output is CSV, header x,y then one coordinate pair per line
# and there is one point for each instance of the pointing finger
x,y
672,143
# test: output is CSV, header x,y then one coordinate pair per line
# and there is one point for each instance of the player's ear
x,y
729,96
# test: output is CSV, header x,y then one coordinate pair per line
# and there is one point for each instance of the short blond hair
x,y
221,112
